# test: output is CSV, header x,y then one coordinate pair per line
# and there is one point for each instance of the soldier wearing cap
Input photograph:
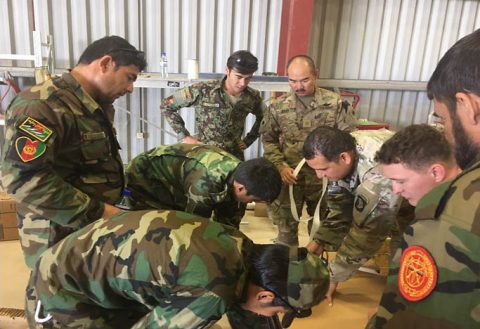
x,y
61,161
288,121
170,269
221,107
359,209
202,180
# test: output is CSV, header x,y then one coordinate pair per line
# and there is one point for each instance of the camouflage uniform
x,y
193,178
60,162
218,122
439,287
285,127
156,269
360,210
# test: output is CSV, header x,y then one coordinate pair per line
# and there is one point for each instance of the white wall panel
x,y
392,40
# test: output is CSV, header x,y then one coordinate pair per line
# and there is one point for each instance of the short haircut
x,y
243,61
328,142
260,178
417,147
122,52
457,71
304,58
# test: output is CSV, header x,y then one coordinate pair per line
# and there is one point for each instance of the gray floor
x,y
354,298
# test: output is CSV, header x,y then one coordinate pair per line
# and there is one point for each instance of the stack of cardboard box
x,y
8,218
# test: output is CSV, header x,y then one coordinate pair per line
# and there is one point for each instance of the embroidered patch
x,y
172,101
36,129
29,150
360,203
417,276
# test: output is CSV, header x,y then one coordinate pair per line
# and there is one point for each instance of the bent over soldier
x,y
287,123
170,269
200,179
221,107
360,209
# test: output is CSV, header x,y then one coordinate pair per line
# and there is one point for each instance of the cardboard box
x,y
8,218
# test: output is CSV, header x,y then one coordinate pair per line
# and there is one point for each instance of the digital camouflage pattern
x,y
447,226
158,269
218,120
189,177
360,210
285,127
143,269
60,162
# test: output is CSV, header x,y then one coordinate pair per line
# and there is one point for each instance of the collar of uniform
x,y
81,94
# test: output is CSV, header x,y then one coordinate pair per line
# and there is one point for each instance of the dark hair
x,y
268,268
328,142
260,178
122,52
304,58
416,146
457,71
243,61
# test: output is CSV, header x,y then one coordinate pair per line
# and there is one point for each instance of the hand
x,y
110,211
287,176
315,248
191,140
242,145
330,292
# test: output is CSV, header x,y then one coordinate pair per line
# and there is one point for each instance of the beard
x,y
466,151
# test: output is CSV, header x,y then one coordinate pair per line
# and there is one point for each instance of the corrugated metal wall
x,y
393,40
396,40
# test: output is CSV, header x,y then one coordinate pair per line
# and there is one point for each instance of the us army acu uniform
x,y
285,127
193,178
360,210
60,162
156,269
434,281
219,118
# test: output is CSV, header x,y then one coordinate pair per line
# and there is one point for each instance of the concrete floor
x,y
354,298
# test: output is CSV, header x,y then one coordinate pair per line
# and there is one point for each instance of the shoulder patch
x,y
418,272
360,203
28,149
35,129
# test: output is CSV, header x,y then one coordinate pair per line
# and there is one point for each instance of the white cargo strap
x,y
316,214
37,314
293,206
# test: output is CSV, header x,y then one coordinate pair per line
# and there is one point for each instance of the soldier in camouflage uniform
x,y
170,269
359,208
61,162
434,280
288,121
221,107
200,179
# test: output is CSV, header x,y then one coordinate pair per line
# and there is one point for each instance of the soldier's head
x,y
416,159
256,180
239,70
108,68
284,279
454,88
331,152
302,75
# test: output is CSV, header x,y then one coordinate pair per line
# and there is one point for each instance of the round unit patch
x,y
417,276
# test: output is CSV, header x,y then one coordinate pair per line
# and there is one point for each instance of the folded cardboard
x,y
8,218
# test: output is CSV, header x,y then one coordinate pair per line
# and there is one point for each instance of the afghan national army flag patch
x,y
28,149
417,276
35,129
